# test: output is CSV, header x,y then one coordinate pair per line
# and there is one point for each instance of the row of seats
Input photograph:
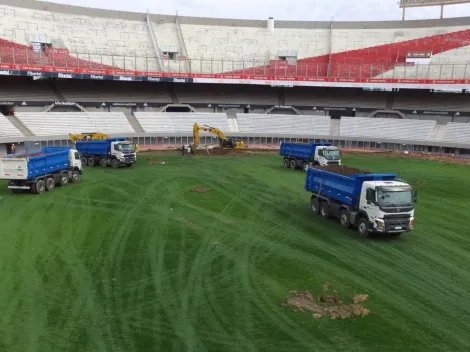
x,y
7,129
59,123
154,122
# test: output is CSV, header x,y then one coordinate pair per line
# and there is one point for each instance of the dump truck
x,y
303,155
371,203
113,152
41,171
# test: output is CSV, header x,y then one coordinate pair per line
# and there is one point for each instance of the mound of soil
x,y
330,307
200,190
342,170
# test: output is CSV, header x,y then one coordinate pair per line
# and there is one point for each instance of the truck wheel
x,y
75,177
115,163
103,162
293,164
50,184
315,205
325,210
344,219
84,161
40,186
91,161
305,166
64,179
286,163
363,227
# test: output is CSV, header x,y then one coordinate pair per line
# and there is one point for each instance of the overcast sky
x,y
302,10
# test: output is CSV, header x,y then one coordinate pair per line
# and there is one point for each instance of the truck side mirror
x,y
370,195
415,196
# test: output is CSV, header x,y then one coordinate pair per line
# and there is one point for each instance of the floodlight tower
x,y
404,4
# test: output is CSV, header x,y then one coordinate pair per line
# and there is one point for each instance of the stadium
x,y
199,253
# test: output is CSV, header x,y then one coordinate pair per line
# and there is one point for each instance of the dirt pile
x,y
200,190
342,170
332,307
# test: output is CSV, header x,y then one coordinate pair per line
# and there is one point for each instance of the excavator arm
x,y
224,141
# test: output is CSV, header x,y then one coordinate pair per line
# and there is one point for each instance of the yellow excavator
x,y
94,136
224,141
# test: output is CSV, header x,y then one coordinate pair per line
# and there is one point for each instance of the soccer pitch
x,y
199,254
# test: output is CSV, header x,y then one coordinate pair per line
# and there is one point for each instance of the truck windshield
x,y
127,147
331,154
389,198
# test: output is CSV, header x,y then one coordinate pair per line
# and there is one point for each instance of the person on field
x,y
182,150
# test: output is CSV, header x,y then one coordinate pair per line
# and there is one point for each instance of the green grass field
x,y
132,260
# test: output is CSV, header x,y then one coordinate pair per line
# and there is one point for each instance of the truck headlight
x,y
412,223
380,225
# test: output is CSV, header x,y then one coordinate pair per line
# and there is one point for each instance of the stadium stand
x,y
7,129
229,94
99,91
457,133
153,122
284,124
77,37
414,130
63,123
335,97
431,101
20,89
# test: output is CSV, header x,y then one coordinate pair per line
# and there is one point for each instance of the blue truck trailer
x,y
302,155
113,152
372,203
42,170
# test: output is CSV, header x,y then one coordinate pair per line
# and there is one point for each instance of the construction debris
x,y
329,306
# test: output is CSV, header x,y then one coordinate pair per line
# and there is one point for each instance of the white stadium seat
x,y
63,123
7,129
284,124
457,133
383,128
158,122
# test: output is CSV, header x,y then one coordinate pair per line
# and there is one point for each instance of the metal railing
x,y
62,58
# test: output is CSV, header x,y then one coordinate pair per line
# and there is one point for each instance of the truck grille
x,y
332,162
398,223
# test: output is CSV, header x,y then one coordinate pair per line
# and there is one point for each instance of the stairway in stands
x,y
19,125
134,122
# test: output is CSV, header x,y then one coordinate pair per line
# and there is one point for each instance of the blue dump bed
x,y
46,161
343,189
99,147
300,150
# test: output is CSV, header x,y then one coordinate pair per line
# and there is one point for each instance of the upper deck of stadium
x,y
48,34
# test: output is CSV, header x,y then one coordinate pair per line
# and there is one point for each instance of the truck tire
x,y
50,184
293,164
325,210
64,179
75,177
286,163
115,163
305,166
315,205
344,219
103,162
91,161
84,161
40,187
363,227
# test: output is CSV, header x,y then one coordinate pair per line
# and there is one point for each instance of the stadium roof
x,y
422,3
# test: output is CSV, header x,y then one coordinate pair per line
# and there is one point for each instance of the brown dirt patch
x,y
200,190
328,306
187,223
342,170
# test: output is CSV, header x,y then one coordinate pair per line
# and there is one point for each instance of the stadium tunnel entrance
x,y
7,110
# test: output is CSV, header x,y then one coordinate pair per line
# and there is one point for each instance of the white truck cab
x,y
327,155
75,160
124,151
389,206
